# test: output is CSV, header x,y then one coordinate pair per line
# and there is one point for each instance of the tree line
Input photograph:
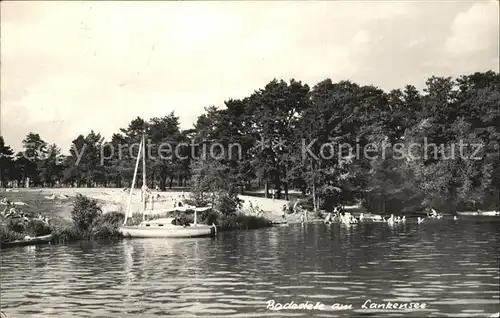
x,y
274,125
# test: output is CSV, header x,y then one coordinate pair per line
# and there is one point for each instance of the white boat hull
x,y
476,213
177,232
372,218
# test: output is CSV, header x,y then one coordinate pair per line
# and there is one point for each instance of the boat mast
x,y
144,175
133,183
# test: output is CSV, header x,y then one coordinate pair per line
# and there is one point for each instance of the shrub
x,y
186,219
241,221
66,234
198,199
135,219
105,230
99,230
227,203
254,222
37,228
16,225
7,235
113,218
209,217
86,212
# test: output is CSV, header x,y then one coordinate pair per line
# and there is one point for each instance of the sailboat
x,y
166,227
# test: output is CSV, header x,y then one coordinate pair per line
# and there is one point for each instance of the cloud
x,y
69,67
473,30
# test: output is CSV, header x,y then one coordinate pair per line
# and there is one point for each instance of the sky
x,y
71,67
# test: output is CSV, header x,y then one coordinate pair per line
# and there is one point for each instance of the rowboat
x,y
37,240
371,218
479,213
282,224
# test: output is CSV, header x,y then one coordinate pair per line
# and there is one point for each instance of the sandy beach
x,y
116,199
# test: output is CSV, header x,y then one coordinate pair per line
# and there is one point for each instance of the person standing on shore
x,y
433,212
328,218
336,213
144,194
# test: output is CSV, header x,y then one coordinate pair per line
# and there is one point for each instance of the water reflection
x,y
453,267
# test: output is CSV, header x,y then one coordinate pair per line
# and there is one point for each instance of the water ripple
x,y
450,268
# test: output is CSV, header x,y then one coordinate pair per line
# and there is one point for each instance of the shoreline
x,y
59,203
116,200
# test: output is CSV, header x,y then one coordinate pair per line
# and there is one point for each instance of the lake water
x,y
451,267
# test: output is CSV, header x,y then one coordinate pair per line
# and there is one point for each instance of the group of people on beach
x,y
12,212
148,196
178,202
341,215
433,214
255,209
304,216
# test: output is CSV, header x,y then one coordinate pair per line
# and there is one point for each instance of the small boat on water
x,y
37,240
166,227
372,218
437,217
479,213
281,224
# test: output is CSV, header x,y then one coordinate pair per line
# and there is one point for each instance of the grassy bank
x,y
87,223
